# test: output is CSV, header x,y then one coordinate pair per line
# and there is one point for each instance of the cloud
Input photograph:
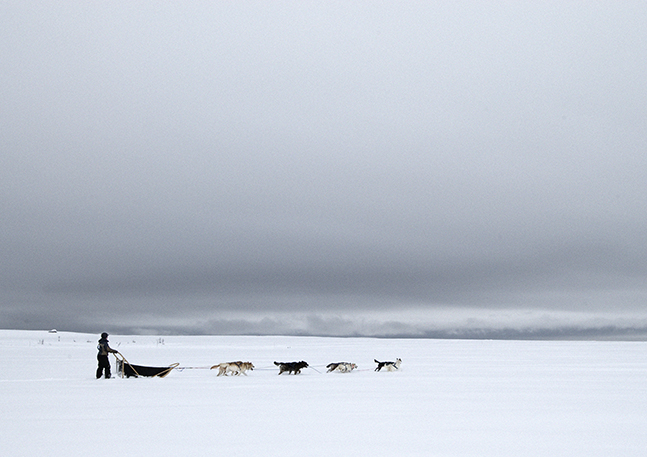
x,y
229,166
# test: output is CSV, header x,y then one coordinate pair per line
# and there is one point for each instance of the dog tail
x,y
376,361
277,364
215,366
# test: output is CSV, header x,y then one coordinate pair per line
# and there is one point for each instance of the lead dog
x,y
291,366
388,366
235,368
342,367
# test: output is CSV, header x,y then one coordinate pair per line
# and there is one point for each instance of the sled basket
x,y
127,369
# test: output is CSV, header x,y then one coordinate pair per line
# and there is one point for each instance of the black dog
x,y
291,366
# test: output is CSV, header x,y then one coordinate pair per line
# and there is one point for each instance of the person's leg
x,y
104,366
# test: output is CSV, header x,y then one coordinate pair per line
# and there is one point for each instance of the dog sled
x,y
127,369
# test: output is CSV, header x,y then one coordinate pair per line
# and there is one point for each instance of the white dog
x,y
388,366
235,368
342,367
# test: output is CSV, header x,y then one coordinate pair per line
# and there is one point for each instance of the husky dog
x,y
388,366
342,367
235,368
291,366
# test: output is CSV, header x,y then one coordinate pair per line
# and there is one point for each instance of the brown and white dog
x,y
388,366
291,366
235,368
342,367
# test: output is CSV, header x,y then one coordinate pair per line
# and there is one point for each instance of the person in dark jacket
x,y
104,349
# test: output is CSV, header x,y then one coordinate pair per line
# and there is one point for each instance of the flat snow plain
x,y
451,398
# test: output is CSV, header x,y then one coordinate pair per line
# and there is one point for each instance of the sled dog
x,y
235,368
388,366
342,367
291,366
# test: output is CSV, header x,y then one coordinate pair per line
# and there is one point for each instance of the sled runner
x,y
127,369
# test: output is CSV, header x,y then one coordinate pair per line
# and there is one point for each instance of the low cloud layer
x,y
369,169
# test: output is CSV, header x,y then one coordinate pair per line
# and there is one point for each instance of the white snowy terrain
x,y
450,398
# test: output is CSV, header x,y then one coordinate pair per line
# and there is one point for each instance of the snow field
x,y
451,398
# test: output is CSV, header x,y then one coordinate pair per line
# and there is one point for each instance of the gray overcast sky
x,y
376,168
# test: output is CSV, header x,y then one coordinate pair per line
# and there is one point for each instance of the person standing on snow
x,y
104,349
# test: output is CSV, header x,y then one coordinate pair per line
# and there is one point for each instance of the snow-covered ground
x,y
451,398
